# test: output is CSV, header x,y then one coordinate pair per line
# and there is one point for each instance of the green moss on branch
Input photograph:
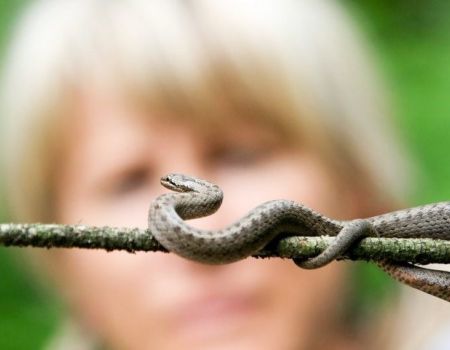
x,y
421,251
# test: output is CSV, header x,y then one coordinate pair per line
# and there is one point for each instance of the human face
x,y
110,173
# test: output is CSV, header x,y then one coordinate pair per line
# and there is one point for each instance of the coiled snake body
x,y
198,198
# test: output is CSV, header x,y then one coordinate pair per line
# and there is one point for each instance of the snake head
x,y
180,183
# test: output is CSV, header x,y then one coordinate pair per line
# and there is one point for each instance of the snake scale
x,y
197,198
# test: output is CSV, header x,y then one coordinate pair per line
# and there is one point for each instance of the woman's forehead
x,y
105,108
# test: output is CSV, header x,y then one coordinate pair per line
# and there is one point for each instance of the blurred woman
x,y
268,99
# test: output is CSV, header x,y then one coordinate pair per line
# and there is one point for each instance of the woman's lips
x,y
212,317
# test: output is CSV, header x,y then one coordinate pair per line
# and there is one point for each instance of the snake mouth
x,y
168,183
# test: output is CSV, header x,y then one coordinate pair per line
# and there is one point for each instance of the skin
x,y
114,157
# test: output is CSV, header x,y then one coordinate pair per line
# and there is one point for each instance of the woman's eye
x,y
240,156
129,181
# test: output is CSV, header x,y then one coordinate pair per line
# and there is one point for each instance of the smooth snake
x,y
197,198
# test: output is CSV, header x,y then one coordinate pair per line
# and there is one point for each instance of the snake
x,y
194,198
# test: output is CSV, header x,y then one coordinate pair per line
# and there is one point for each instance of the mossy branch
x,y
421,251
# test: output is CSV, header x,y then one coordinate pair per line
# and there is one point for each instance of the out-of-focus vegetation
x,y
28,314
412,39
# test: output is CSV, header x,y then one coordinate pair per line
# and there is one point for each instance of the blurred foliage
x,y
412,38
28,313
394,19
8,14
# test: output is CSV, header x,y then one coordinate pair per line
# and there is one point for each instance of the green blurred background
x,y
412,40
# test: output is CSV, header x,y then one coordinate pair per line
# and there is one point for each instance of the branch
x,y
421,251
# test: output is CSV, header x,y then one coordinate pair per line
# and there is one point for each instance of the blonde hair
x,y
296,64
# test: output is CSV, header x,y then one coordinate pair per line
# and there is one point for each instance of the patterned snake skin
x,y
198,198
